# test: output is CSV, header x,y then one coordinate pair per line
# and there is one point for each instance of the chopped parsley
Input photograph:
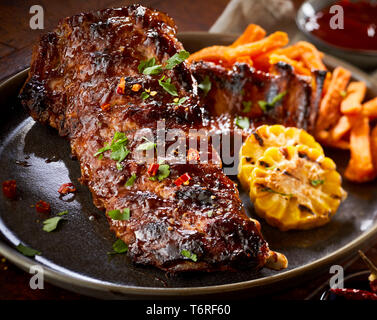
x,y
205,85
26,251
176,59
149,67
168,86
210,213
119,215
62,213
189,255
118,148
246,106
178,102
51,224
144,95
119,247
131,180
316,183
148,145
162,173
243,122
265,106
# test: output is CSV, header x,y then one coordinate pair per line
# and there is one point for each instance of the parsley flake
x,y
144,95
189,255
316,183
265,106
162,173
51,224
149,67
205,85
118,215
148,145
168,86
118,148
119,247
131,180
243,122
26,251
176,59
246,106
179,101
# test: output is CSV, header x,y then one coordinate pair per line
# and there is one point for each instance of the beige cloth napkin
x,y
272,15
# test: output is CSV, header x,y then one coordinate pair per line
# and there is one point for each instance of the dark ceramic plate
x,y
75,255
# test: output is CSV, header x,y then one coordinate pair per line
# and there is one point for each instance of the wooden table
x,y
16,40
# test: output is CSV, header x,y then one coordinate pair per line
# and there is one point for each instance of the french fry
x,y
329,111
252,33
370,108
351,104
275,40
360,167
326,139
341,128
373,147
297,66
245,59
213,53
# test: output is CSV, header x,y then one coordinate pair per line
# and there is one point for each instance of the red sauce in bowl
x,y
360,25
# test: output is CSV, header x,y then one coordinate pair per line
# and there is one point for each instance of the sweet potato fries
x,y
344,119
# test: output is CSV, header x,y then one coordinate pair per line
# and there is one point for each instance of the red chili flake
x,y
153,169
136,87
105,106
193,154
43,207
67,188
354,294
121,86
182,179
10,189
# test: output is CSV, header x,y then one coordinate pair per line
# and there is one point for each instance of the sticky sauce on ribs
x,y
77,68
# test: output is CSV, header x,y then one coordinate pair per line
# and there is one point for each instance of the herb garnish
x,y
51,224
144,95
176,59
189,255
246,106
205,85
168,86
26,251
148,145
162,173
131,180
149,67
62,213
178,102
265,106
118,148
119,247
118,215
243,122
316,183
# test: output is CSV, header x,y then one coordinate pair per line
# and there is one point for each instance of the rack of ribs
x,y
73,86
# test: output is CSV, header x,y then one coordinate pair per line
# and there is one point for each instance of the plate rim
x,y
99,286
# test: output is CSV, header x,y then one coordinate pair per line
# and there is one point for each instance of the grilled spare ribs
x,y
74,86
